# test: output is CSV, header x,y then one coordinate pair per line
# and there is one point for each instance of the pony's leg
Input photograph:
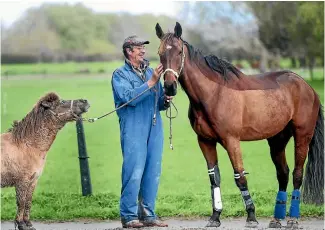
x,y
21,191
302,140
232,145
28,205
209,151
277,148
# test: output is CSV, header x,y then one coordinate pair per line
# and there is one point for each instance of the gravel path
x,y
176,224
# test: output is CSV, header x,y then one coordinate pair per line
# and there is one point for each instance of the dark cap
x,y
134,41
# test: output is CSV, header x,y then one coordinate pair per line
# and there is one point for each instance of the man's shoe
x,y
154,223
133,224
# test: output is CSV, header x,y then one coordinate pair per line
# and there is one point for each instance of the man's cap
x,y
134,41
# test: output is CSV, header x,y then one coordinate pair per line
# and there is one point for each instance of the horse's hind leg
x,y
232,145
21,191
302,138
210,153
28,205
277,148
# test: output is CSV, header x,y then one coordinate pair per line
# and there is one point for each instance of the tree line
x,y
260,32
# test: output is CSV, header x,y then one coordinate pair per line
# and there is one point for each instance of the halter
x,y
182,66
58,115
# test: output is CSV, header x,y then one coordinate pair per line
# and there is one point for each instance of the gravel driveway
x,y
177,224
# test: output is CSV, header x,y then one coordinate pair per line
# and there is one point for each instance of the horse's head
x,y
172,57
64,110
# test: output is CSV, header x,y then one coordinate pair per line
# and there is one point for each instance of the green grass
x,y
61,68
185,186
108,67
58,68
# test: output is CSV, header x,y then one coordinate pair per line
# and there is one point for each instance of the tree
x,y
273,20
227,29
307,31
293,29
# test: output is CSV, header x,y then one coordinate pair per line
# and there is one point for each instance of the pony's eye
x,y
62,102
180,53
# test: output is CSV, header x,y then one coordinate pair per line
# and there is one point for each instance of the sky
x,y
11,10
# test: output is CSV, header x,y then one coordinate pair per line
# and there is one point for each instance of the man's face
x,y
137,54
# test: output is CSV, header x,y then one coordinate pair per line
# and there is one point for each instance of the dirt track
x,y
231,224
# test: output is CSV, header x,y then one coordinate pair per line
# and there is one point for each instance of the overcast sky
x,y
11,10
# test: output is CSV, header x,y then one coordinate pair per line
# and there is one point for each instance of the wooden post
x,y
83,160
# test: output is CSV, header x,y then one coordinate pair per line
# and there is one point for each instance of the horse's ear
x,y
159,31
46,104
178,30
48,100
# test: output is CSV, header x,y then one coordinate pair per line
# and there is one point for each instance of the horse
x,y
24,148
226,107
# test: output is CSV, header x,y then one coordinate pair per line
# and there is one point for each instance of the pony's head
x,y
64,110
49,111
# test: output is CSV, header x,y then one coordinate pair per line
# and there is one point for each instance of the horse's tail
x,y
313,185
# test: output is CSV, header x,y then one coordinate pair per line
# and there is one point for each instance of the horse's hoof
x,y
213,224
275,224
251,224
31,228
292,224
29,225
21,225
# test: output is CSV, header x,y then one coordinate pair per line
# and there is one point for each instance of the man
x,y
141,134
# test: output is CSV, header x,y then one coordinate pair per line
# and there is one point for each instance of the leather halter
x,y
182,66
58,115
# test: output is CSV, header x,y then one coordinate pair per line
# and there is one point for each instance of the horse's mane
x,y
32,121
213,62
226,69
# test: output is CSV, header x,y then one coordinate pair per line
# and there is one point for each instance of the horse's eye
x,y
180,53
62,102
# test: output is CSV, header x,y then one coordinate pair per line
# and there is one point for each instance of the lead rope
x,y
91,120
154,119
170,123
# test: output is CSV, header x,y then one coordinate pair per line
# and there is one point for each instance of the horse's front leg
x,y
210,153
21,192
233,148
28,205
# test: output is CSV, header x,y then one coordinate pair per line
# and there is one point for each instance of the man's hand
x,y
156,75
168,98
167,101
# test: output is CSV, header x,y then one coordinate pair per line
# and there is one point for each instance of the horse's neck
x,y
197,86
44,136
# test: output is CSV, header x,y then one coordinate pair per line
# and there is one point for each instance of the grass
x,y
108,67
184,189
61,68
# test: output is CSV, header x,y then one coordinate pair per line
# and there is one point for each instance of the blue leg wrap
x,y
280,205
295,204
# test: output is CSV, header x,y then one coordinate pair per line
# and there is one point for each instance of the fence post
x,y
83,160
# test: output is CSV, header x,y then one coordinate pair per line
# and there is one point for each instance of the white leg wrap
x,y
217,198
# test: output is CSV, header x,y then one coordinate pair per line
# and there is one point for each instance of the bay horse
x,y
24,148
227,106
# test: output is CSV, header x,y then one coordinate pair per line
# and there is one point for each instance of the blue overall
x,y
141,142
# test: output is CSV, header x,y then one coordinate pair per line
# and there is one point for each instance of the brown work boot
x,y
154,223
133,224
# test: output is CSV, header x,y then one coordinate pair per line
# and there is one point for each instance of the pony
x,y
24,148
226,107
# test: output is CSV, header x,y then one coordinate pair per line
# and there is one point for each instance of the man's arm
x,y
163,104
124,90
